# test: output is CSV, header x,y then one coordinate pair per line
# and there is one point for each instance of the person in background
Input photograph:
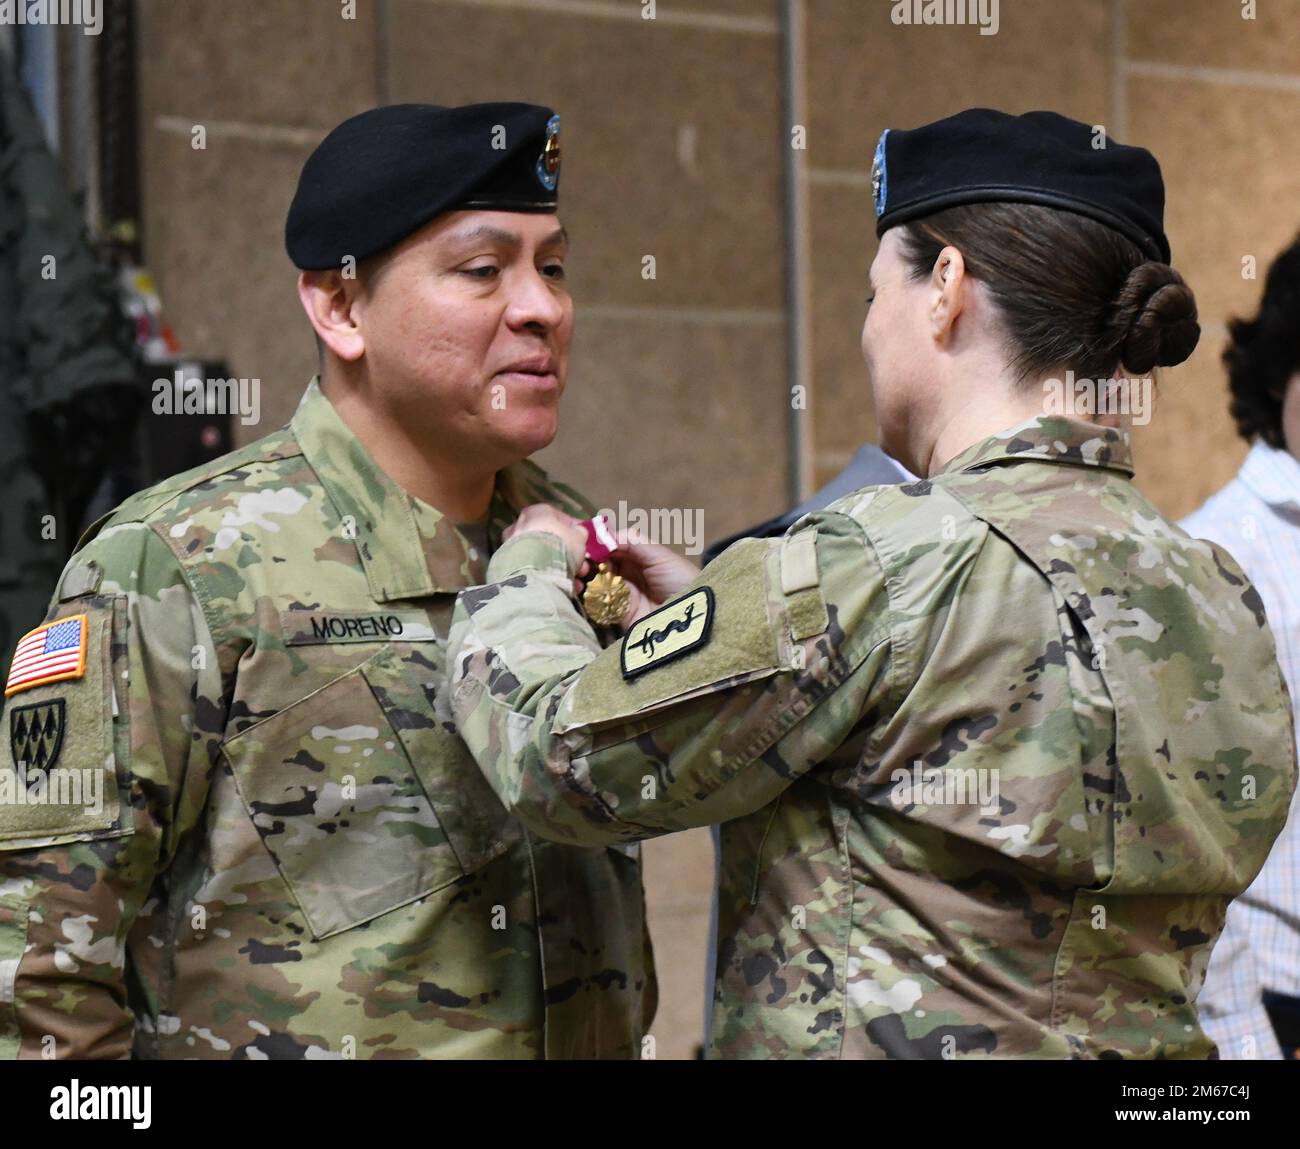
x,y
1250,1004
68,377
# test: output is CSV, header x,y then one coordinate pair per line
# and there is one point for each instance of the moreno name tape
x,y
668,633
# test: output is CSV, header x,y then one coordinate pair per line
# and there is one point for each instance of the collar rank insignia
x,y
548,163
36,734
50,653
668,633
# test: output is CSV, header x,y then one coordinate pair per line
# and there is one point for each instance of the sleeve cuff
x,y
538,551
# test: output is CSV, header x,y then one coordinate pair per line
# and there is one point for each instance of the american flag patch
x,y
49,653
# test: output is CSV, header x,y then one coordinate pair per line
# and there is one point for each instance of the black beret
x,y
387,172
985,156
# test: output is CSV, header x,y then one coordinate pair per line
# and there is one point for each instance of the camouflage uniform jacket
x,y
296,856
993,752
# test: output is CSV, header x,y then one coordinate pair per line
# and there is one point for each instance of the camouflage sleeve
x,y
709,707
105,769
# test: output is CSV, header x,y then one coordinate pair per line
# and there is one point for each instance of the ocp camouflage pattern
x,y
992,752
301,859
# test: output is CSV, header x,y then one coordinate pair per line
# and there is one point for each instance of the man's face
x,y
466,327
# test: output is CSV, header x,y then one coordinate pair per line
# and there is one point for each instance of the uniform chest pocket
x,y
364,796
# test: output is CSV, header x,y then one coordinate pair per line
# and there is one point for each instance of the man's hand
x,y
543,517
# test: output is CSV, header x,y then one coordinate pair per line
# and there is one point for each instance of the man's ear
x,y
948,287
329,299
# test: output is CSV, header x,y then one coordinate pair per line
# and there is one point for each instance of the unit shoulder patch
x,y
673,630
36,733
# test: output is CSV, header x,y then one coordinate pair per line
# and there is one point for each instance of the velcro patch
x,y
50,653
317,627
668,633
58,778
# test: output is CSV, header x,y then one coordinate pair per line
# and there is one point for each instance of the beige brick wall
x,y
675,142
1217,98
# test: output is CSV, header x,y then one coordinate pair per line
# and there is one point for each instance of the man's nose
x,y
534,302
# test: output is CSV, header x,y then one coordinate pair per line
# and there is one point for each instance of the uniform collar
x,y
1272,474
1053,439
408,548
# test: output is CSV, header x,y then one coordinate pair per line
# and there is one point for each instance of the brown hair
x,y
1072,292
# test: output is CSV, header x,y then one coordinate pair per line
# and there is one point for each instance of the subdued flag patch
x,y
50,653
668,633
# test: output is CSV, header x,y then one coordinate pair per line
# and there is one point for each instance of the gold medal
x,y
606,597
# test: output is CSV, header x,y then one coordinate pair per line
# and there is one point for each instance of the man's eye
x,y
554,271
871,299
486,272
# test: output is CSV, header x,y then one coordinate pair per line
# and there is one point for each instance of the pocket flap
x,y
336,802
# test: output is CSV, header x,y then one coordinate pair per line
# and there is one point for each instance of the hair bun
x,y
1154,318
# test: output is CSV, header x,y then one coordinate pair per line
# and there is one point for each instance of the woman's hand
x,y
654,573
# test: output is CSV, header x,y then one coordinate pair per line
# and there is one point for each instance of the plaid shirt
x,y
1256,517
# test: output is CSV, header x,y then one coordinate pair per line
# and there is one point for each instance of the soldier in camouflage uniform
x,y
993,750
291,854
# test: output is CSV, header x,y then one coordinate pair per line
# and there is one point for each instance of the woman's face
x,y
897,347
